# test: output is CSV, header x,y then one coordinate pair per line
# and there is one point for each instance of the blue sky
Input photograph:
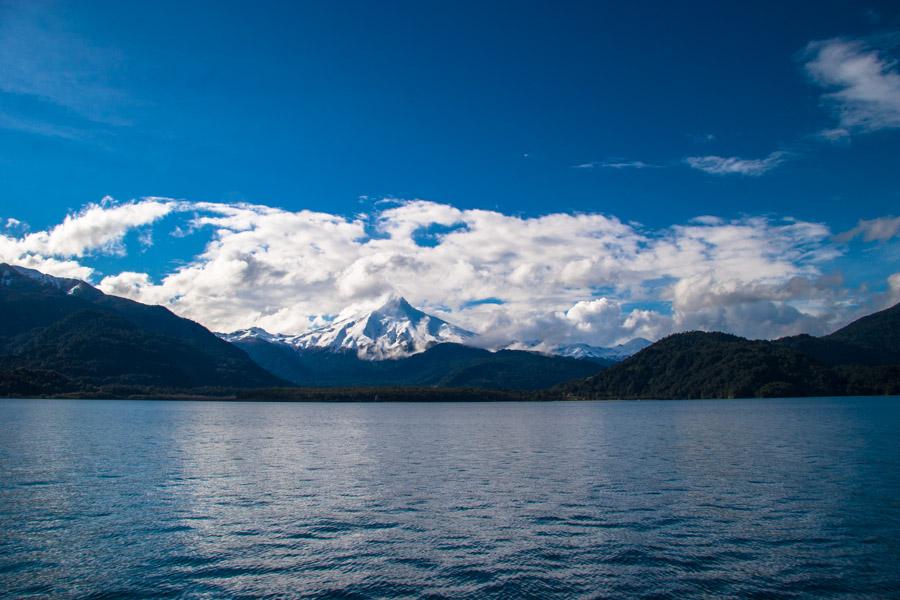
x,y
652,113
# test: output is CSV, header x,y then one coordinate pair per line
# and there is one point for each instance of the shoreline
x,y
371,396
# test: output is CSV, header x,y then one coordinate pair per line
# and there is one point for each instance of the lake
x,y
795,498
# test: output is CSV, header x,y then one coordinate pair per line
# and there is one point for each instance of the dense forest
x,y
863,358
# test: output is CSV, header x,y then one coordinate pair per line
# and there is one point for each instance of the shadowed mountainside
x,y
63,332
860,359
443,365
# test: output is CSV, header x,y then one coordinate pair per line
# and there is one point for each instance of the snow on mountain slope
x,y
585,351
394,330
73,287
253,333
60,283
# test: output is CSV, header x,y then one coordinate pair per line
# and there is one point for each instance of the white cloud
x,y
627,164
616,164
98,228
127,284
756,309
881,230
15,224
865,84
894,286
732,165
286,270
835,134
894,282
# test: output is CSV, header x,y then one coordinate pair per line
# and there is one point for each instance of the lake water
x,y
765,498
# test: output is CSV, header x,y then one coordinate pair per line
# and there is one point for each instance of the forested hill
x,y
61,334
878,332
862,358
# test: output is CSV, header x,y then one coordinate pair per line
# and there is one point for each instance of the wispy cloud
x,y
38,127
881,229
733,165
834,134
865,83
55,76
702,138
616,164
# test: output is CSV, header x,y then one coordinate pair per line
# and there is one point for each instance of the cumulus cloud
x,y
732,165
601,321
873,230
865,85
757,309
98,228
559,277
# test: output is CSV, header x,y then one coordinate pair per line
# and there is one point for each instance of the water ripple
x,y
756,499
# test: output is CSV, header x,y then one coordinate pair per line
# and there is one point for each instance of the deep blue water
x,y
765,498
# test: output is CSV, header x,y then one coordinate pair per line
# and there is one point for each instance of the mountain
x,y
601,354
253,333
399,345
63,333
442,365
878,332
63,336
394,330
872,340
706,365
859,359
398,330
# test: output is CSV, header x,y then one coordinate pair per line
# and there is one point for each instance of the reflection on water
x,y
793,497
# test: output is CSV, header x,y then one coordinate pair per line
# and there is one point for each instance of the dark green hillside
x,y
835,352
872,340
860,359
708,365
878,332
71,329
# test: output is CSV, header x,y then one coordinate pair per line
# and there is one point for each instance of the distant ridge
x,y
614,353
441,366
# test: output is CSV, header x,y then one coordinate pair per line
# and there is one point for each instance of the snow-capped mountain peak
x,y
393,330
